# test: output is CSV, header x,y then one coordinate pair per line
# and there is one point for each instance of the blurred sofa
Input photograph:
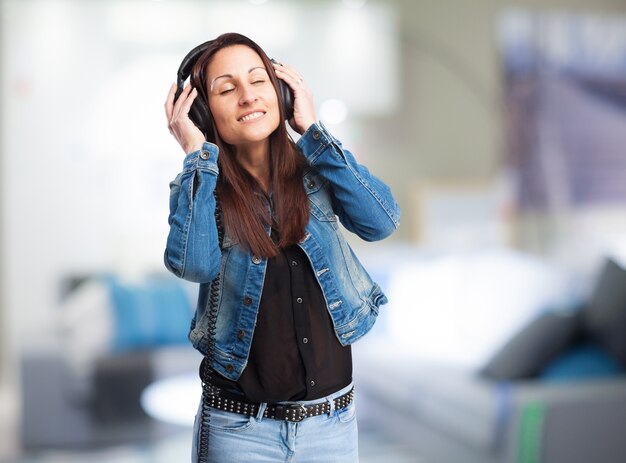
x,y
553,392
113,338
447,414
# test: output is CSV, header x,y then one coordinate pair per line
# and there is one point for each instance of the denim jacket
x,y
338,188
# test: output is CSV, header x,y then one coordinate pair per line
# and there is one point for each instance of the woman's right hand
x,y
180,125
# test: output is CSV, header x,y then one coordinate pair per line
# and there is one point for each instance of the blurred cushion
x,y
586,361
86,325
527,353
151,313
605,318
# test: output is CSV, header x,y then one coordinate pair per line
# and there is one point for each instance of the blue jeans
x,y
235,438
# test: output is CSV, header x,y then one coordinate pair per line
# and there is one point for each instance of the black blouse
x,y
295,354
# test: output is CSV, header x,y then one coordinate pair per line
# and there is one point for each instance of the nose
x,y
248,95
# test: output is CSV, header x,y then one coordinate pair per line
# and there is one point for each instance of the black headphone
x,y
200,113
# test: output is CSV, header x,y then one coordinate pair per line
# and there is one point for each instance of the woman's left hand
x,y
303,107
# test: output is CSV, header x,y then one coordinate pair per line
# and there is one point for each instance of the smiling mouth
x,y
251,116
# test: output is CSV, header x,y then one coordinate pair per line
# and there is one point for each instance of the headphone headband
x,y
184,70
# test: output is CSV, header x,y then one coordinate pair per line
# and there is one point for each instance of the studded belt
x,y
290,411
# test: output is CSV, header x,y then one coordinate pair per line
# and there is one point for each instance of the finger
x,y
294,82
184,109
184,102
283,70
181,99
169,102
291,71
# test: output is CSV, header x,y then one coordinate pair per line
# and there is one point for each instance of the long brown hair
x,y
243,203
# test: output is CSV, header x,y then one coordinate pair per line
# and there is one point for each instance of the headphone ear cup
x,y
200,114
287,98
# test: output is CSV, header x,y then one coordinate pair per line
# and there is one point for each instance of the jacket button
x,y
247,300
316,135
241,334
312,184
256,260
204,154
230,368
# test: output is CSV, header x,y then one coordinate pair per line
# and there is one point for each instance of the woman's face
x,y
241,96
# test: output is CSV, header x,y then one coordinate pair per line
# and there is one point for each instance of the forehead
x,y
236,59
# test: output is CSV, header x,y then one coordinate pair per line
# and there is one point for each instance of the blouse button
x,y
204,154
305,340
293,263
299,300
312,383
247,300
316,135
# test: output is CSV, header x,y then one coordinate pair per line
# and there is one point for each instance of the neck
x,y
255,158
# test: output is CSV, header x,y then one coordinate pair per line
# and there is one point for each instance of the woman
x,y
253,219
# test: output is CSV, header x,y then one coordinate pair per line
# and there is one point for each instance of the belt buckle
x,y
292,412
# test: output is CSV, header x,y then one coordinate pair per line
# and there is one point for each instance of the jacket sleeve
x,y
361,201
192,251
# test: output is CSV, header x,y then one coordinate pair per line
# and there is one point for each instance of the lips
x,y
251,116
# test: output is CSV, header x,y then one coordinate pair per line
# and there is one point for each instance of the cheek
x,y
273,99
273,103
219,116
275,120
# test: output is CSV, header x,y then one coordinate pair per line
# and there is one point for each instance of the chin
x,y
257,134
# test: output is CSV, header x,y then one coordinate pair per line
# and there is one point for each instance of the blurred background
x,y
500,127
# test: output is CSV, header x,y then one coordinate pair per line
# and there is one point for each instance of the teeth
x,y
251,116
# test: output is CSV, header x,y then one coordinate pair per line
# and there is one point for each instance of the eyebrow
x,y
231,76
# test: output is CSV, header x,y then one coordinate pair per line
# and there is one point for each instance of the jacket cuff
x,y
204,158
315,139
